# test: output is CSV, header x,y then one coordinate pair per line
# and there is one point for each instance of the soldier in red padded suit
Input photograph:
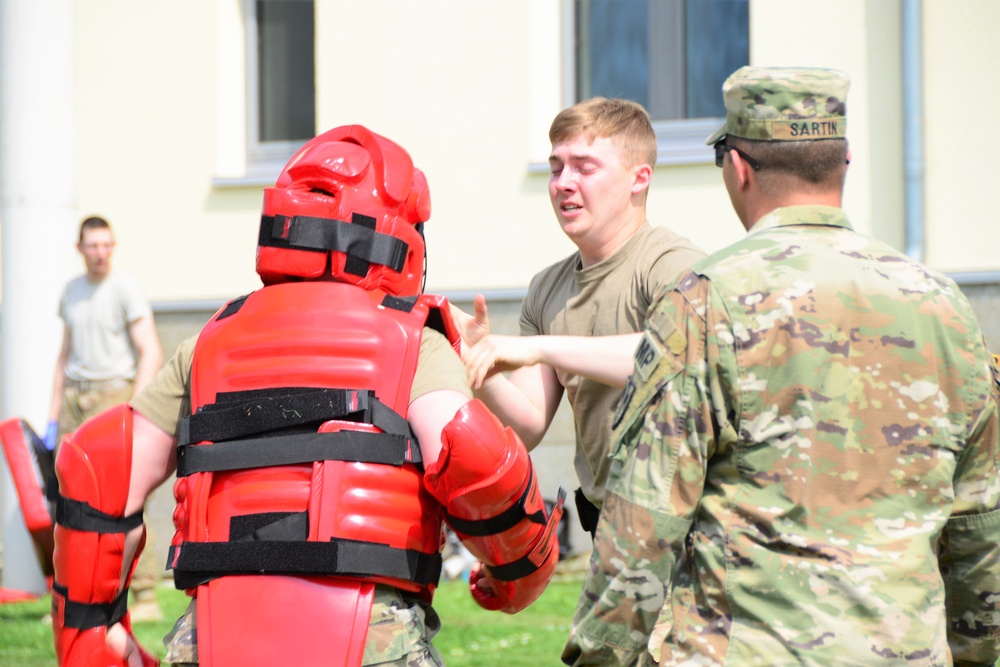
x,y
326,430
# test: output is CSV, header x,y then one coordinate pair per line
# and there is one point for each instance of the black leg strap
x,y
81,516
84,615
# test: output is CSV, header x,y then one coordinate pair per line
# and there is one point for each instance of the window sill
x,y
259,173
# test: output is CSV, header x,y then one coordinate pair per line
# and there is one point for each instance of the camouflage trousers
x,y
80,401
399,634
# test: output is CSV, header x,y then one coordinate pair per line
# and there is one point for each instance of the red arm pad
x,y
485,481
93,466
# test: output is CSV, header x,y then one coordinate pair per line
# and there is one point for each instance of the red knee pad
x,y
485,480
93,466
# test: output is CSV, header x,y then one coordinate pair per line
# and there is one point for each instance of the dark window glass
x,y
671,56
286,70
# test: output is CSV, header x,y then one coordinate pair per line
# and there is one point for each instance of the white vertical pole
x,y
38,226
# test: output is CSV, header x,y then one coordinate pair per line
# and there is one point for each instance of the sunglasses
x,y
720,155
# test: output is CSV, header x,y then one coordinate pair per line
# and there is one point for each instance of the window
x,y
281,77
671,56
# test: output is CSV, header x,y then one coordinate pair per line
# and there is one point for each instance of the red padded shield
x,y
28,467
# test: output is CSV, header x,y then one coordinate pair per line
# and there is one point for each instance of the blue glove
x,y
50,435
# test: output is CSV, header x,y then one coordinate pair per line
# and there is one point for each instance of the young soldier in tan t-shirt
x,y
581,318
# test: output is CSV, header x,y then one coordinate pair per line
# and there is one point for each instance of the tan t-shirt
x,y
98,315
167,397
609,298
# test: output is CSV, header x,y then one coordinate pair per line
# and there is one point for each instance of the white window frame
x,y
678,142
263,157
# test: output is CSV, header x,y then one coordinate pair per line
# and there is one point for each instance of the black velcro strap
x,y
538,554
272,526
232,307
196,563
506,520
354,446
404,304
522,567
239,414
355,265
81,516
87,615
321,234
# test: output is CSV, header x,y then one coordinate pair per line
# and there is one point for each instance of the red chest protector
x,y
297,459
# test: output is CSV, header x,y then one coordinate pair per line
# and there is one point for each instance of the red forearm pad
x,y
485,480
93,466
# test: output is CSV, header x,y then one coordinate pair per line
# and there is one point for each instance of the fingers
x,y
482,591
459,315
480,362
481,312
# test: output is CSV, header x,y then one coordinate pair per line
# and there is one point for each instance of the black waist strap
x,y
354,446
86,615
196,563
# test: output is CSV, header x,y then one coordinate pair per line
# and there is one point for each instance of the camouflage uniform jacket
x,y
805,466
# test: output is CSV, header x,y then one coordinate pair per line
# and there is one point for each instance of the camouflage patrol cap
x,y
784,104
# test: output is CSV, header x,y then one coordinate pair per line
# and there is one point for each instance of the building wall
x,y
161,123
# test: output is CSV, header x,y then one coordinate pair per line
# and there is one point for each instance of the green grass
x,y
470,635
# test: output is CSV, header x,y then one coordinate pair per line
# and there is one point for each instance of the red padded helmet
x,y
349,205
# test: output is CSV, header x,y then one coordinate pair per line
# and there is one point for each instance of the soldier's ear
x,y
642,174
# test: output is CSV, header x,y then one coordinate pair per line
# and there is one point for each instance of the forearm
x,y
144,337
605,359
149,364
513,407
58,385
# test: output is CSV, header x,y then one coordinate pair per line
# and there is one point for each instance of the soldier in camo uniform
x,y
805,458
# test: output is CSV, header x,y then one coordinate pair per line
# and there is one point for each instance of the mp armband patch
x,y
647,356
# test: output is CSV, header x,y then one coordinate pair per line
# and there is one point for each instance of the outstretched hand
x,y
495,353
473,327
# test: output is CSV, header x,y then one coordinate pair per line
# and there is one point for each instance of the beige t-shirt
x,y
98,315
609,298
167,397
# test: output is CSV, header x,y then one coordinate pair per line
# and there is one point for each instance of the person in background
x,y
805,465
581,317
110,350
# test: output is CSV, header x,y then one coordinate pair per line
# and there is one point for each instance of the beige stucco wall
x,y
960,92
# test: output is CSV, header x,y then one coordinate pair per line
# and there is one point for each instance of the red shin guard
x,y
94,465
